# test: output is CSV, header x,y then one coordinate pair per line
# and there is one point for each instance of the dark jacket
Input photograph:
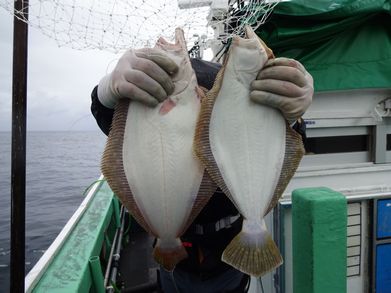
x,y
204,250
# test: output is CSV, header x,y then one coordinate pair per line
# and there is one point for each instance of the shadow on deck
x,y
138,270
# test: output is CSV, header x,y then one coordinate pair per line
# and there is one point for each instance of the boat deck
x,y
138,270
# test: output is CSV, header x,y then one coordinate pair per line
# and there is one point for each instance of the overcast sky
x,y
60,81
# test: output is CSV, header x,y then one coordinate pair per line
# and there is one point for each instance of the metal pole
x,y
18,152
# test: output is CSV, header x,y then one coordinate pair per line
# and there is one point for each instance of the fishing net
x,y
119,24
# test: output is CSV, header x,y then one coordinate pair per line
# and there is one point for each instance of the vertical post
x,y
18,149
96,274
380,141
319,227
117,216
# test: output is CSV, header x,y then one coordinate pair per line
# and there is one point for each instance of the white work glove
x,y
284,84
141,75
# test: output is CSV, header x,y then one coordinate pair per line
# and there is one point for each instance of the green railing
x,y
319,244
79,261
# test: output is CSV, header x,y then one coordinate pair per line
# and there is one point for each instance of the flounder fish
x,y
150,164
249,150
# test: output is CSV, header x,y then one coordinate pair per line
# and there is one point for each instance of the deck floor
x,y
137,266
138,269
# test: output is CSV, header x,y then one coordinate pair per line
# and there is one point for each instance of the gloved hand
x,y
284,84
141,75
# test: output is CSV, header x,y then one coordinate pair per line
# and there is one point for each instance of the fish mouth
x,y
182,78
178,46
249,32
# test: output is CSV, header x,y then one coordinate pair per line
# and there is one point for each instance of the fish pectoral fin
x,y
253,253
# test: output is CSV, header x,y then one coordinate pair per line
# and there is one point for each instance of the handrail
x,y
40,267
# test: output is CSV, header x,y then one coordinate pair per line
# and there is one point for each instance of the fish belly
x,y
159,164
247,139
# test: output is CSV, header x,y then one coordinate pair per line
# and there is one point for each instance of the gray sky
x,y
60,81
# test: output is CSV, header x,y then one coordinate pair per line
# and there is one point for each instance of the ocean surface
x,y
60,166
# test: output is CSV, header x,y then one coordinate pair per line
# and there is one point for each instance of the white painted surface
x,y
345,108
350,179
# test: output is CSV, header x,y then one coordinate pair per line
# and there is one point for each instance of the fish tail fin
x,y
253,250
169,255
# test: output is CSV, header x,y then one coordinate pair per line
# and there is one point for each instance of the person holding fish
x,y
146,76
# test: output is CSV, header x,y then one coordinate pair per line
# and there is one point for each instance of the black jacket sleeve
x,y
300,128
103,115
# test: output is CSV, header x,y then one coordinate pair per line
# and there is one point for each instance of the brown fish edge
x,y
252,256
112,164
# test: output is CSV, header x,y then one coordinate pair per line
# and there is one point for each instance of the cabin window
x,y
388,142
337,144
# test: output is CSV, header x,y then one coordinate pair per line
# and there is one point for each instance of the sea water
x,y
60,166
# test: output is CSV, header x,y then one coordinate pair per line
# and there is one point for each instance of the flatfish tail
x,y
112,164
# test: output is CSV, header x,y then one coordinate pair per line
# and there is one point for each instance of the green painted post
x,y
319,219
116,212
97,275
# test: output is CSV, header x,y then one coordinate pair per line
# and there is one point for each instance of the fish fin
x,y
294,151
253,253
205,192
112,164
269,52
169,257
201,144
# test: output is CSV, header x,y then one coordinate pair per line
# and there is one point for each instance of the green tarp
x,y
344,44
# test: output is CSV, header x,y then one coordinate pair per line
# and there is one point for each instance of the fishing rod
x,y
18,148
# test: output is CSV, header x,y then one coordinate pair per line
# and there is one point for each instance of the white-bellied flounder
x,y
149,161
249,150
